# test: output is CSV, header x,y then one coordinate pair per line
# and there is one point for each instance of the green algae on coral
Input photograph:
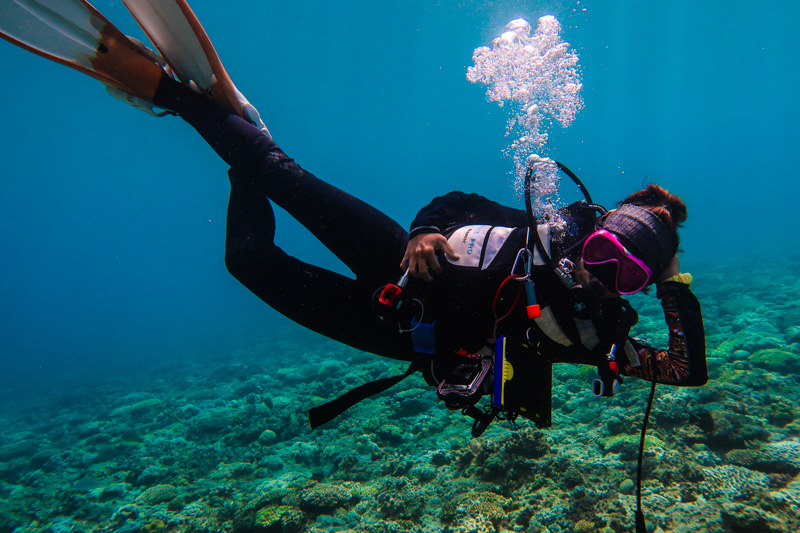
x,y
742,517
144,407
324,497
616,443
748,340
279,519
777,360
157,494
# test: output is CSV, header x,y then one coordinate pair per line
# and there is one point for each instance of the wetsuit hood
x,y
644,233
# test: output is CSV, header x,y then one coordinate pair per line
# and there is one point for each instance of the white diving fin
x,y
180,38
75,34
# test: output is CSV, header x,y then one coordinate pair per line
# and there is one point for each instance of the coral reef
x,y
213,446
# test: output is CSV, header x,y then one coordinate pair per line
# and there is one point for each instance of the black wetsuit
x,y
372,245
367,241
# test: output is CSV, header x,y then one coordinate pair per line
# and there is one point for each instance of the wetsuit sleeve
x,y
456,208
684,361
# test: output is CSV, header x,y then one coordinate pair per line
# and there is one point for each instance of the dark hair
x,y
667,206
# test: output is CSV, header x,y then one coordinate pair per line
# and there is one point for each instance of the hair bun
x,y
668,206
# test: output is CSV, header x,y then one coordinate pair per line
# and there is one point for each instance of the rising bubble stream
x,y
538,80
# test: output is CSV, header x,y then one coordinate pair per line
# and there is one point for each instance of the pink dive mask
x,y
603,248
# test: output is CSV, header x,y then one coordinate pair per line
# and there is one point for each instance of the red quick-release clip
x,y
390,296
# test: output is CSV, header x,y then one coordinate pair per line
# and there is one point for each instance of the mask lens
x,y
631,277
620,270
599,249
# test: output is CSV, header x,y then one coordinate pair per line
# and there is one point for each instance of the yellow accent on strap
x,y
686,279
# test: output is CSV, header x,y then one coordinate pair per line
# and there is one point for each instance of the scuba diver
x,y
480,297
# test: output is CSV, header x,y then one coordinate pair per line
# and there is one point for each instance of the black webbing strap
x,y
328,411
482,419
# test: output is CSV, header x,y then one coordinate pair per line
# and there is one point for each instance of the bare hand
x,y
420,257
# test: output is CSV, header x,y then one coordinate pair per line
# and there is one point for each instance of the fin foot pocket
x,y
129,67
75,34
178,35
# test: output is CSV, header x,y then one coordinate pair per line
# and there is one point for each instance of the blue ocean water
x,y
112,222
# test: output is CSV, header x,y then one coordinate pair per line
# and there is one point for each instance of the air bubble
x,y
539,77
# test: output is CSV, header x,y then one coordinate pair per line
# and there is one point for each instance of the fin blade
x,y
176,32
174,36
66,31
71,26
73,33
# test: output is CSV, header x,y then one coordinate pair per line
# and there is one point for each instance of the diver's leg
x,y
370,243
323,301
367,241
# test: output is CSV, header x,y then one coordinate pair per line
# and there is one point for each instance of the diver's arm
x,y
457,208
452,209
684,361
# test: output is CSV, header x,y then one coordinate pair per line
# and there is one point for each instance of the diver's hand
x,y
420,257
673,268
